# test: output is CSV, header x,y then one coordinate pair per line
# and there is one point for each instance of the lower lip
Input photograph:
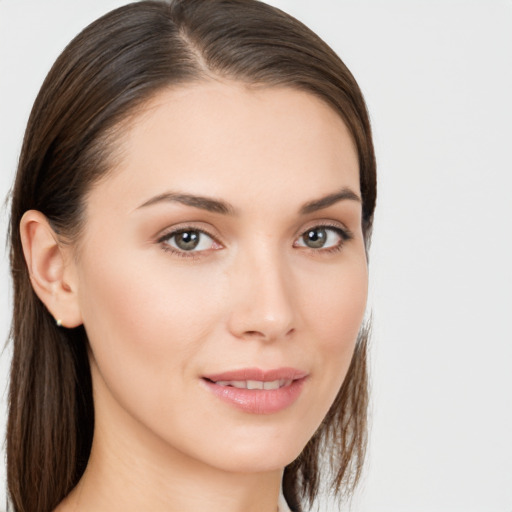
x,y
258,401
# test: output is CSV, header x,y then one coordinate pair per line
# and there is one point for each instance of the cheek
x,y
336,305
141,319
145,336
335,314
131,295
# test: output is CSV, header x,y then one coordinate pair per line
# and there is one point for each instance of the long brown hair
x,y
103,76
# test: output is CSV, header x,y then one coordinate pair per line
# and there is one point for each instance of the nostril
x,y
254,333
266,336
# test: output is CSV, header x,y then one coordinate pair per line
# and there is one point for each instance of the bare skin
x,y
257,291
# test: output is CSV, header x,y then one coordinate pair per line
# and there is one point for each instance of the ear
x,y
51,268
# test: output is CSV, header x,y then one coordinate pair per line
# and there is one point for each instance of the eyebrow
x,y
204,203
218,206
324,202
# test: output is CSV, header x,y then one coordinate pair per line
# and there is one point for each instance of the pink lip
x,y
258,374
258,401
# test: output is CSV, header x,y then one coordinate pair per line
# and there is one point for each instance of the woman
x,y
190,220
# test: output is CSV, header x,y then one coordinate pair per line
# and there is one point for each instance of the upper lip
x,y
258,374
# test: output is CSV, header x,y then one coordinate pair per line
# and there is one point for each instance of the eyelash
x,y
181,253
344,234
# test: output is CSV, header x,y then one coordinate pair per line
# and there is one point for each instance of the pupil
x,y
315,238
187,240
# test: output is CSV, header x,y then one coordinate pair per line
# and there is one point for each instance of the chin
x,y
265,452
252,462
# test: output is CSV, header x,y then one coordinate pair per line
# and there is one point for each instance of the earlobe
x,y
49,267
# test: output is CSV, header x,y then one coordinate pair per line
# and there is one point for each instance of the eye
x,y
188,240
322,237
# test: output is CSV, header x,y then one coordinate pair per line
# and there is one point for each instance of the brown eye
x,y
189,240
322,237
315,238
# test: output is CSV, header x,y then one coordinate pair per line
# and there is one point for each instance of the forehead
x,y
229,139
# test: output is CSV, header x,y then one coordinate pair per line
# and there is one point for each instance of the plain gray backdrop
x,y
437,77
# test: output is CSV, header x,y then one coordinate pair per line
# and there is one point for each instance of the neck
x,y
111,487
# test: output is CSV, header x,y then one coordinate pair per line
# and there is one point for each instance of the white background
x,y
437,77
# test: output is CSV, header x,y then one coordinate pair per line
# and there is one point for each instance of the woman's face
x,y
224,252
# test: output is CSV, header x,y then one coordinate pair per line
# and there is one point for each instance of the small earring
x,y
58,322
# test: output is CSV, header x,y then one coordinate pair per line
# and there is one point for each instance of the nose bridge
x,y
262,290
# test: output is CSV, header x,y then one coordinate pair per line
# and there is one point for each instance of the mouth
x,y
254,384
257,391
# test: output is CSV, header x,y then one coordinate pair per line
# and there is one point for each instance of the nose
x,y
261,292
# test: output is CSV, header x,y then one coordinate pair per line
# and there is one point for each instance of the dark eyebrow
x,y
325,202
218,206
205,203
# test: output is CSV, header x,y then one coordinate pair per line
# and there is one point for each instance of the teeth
x,y
254,384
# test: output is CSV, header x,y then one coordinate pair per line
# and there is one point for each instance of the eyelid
x,y
344,233
169,232
336,225
341,231
186,226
